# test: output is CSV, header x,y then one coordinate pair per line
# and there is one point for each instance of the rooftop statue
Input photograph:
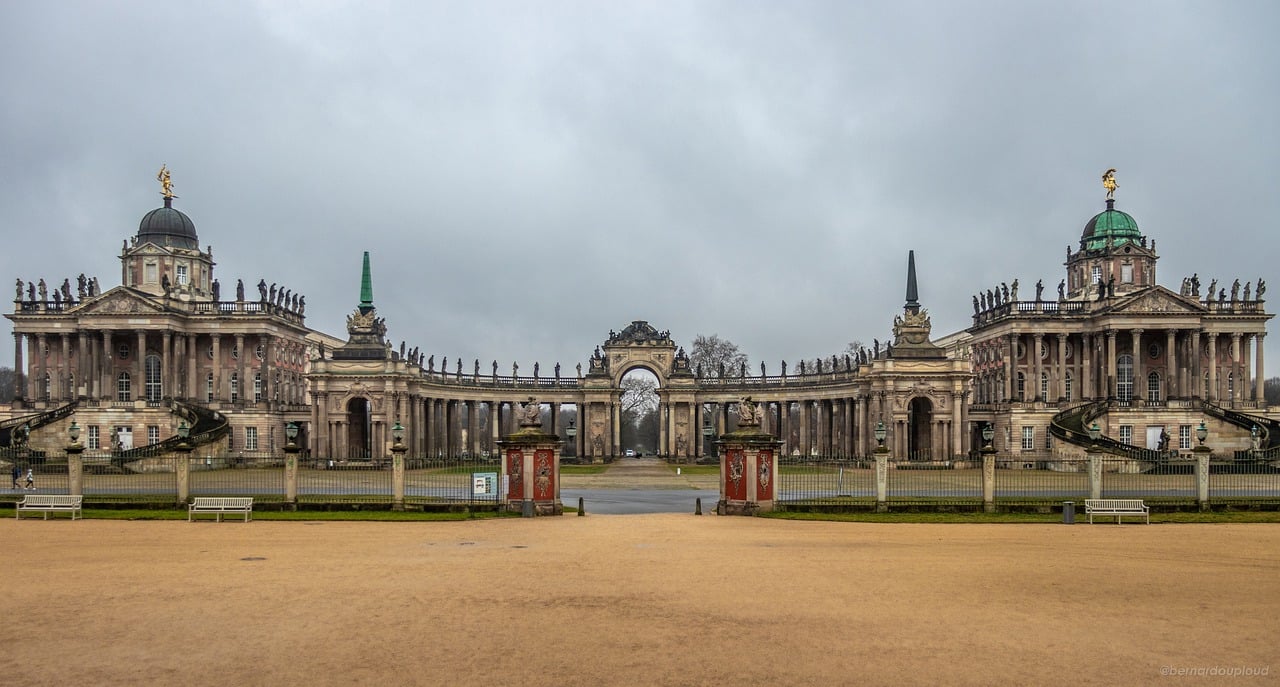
x,y
1109,183
166,182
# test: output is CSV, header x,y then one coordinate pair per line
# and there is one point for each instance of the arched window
x,y
1124,378
153,382
1066,388
123,387
1153,387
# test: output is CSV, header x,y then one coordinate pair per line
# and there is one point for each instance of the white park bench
x,y
50,503
1116,507
220,505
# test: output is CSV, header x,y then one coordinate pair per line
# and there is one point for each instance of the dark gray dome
x,y
169,228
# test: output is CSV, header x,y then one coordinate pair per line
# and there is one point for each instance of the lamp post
x,y
880,434
184,432
74,432
1255,439
184,449
398,450
397,438
291,435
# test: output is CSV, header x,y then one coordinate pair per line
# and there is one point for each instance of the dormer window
x,y
151,273
182,275
1097,274
1126,273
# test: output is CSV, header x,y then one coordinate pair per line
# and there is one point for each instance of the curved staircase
x,y
207,426
1072,426
33,421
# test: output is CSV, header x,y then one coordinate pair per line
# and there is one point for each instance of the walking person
x,y
31,480
14,473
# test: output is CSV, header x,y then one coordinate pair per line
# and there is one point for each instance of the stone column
x,y
1170,366
804,427
1139,370
1011,367
140,365
193,354
65,373
267,368
84,366
1245,380
216,368
106,387
1060,373
19,370
1037,366
244,390
42,368
1111,364
1235,368
183,458
988,479
1088,374
1259,379
323,447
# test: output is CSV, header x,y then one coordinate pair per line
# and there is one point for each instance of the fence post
x,y
184,474
291,474
75,470
988,481
1095,476
1202,454
397,478
882,479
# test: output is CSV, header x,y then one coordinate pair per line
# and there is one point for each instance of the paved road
x,y
640,485
632,501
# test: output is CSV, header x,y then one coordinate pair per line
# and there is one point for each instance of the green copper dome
x,y
1112,224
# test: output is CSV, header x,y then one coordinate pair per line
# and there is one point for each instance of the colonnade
x,y
123,366
1137,364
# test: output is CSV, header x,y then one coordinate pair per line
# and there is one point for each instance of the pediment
x,y
1158,300
119,301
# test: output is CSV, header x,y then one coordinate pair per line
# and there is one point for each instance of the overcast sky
x,y
528,176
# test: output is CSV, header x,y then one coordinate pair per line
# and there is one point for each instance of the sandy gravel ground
x,y
634,600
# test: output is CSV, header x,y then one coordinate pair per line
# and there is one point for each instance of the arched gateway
x,y
828,409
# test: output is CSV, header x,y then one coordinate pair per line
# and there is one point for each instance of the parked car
x,y
629,453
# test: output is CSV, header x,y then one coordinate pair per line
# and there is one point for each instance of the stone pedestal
x,y
748,472
531,469
75,470
183,453
291,451
397,475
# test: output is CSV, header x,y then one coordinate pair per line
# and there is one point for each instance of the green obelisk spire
x,y
366,287
913,294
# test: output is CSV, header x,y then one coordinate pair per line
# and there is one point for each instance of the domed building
x,y
1113,346
168,345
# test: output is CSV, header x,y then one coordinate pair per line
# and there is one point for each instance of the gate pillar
x,y
748,466
531,466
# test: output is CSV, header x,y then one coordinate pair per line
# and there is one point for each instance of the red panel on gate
x,y
515,474
765,479
544,478
735,479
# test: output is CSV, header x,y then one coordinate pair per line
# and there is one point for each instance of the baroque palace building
x,y
166,348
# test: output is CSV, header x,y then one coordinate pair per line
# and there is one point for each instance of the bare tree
x,y
639,393
1270,390
714,355
8,383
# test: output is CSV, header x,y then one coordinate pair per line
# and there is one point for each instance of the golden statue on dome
x,y
1109,183
166,183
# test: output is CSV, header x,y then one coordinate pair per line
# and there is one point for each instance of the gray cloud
x,y
528,177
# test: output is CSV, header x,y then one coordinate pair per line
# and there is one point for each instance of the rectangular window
x,y
1096,274
235,387
153,434
1028,438
182,275
1126,434
208,384
151,273
1126,274
1184,437
93,442
251,438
